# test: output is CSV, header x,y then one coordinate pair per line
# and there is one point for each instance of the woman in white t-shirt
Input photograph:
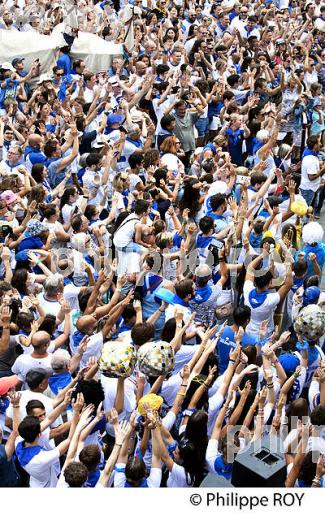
x,y
171,149
69,202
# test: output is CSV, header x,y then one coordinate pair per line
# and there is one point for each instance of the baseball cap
x,y
289,362
114,118
7,66
15,61
8,382
311,295
8,196
35,228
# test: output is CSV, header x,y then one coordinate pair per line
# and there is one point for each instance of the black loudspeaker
x,y
262,464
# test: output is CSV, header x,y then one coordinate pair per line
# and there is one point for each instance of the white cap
x,y
7,66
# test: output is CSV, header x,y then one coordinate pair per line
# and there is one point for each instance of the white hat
x,y
44,77
7,66
101,140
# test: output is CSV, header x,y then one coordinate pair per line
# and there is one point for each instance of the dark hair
x,y
90,456
142,332
34,403
29,428
135,469
70,190
317,416
300,267
308,468
168,332
24,320
35,377
48,324
93,159
190,199
312,140
311,281
241,315
217,200
140,206
262,280
184,288
75,474
37,170
206,224
135,159
92,391
19,280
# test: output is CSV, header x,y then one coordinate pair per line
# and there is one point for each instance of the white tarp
x,y
96,52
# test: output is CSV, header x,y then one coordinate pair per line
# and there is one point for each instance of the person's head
x,y
317,417
92,391
24,321
300,268
86,324
60,361
70,196
170,145
93,162
242,316
40,342
189,457
135,471
53,286
75,474
296,410
20,280
36,408
185,289
206,225
141,207
141,333
90,457
196,428
140,68
37,379
180,108
257,179
263,282
136,161
218,203
203,275
30,429
313,143
79,66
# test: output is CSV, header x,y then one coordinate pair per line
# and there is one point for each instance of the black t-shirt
x,y
9,356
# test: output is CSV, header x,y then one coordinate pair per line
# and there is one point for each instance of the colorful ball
x,y
310,323
156,358
117,359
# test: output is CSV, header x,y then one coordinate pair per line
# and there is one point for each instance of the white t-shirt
x,y
177,477
43,466
109,385
26,362
263,312
309,166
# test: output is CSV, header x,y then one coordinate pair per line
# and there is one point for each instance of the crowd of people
x,y
161,303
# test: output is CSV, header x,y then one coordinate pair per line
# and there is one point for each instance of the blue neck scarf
x,y
223,469
202,294
26,453
256,299
307,152
179,301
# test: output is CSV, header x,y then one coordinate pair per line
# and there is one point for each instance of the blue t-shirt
x,y
227,343
64,62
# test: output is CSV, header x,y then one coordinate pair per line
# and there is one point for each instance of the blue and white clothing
x,y
40,462
120,481
262,305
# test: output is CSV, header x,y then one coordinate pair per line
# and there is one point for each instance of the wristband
x,y
206,386
181,394
232,361
16,406
184,385
316,480
118,444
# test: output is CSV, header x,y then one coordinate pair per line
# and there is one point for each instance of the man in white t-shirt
x,y
310,170
260,299
39,358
